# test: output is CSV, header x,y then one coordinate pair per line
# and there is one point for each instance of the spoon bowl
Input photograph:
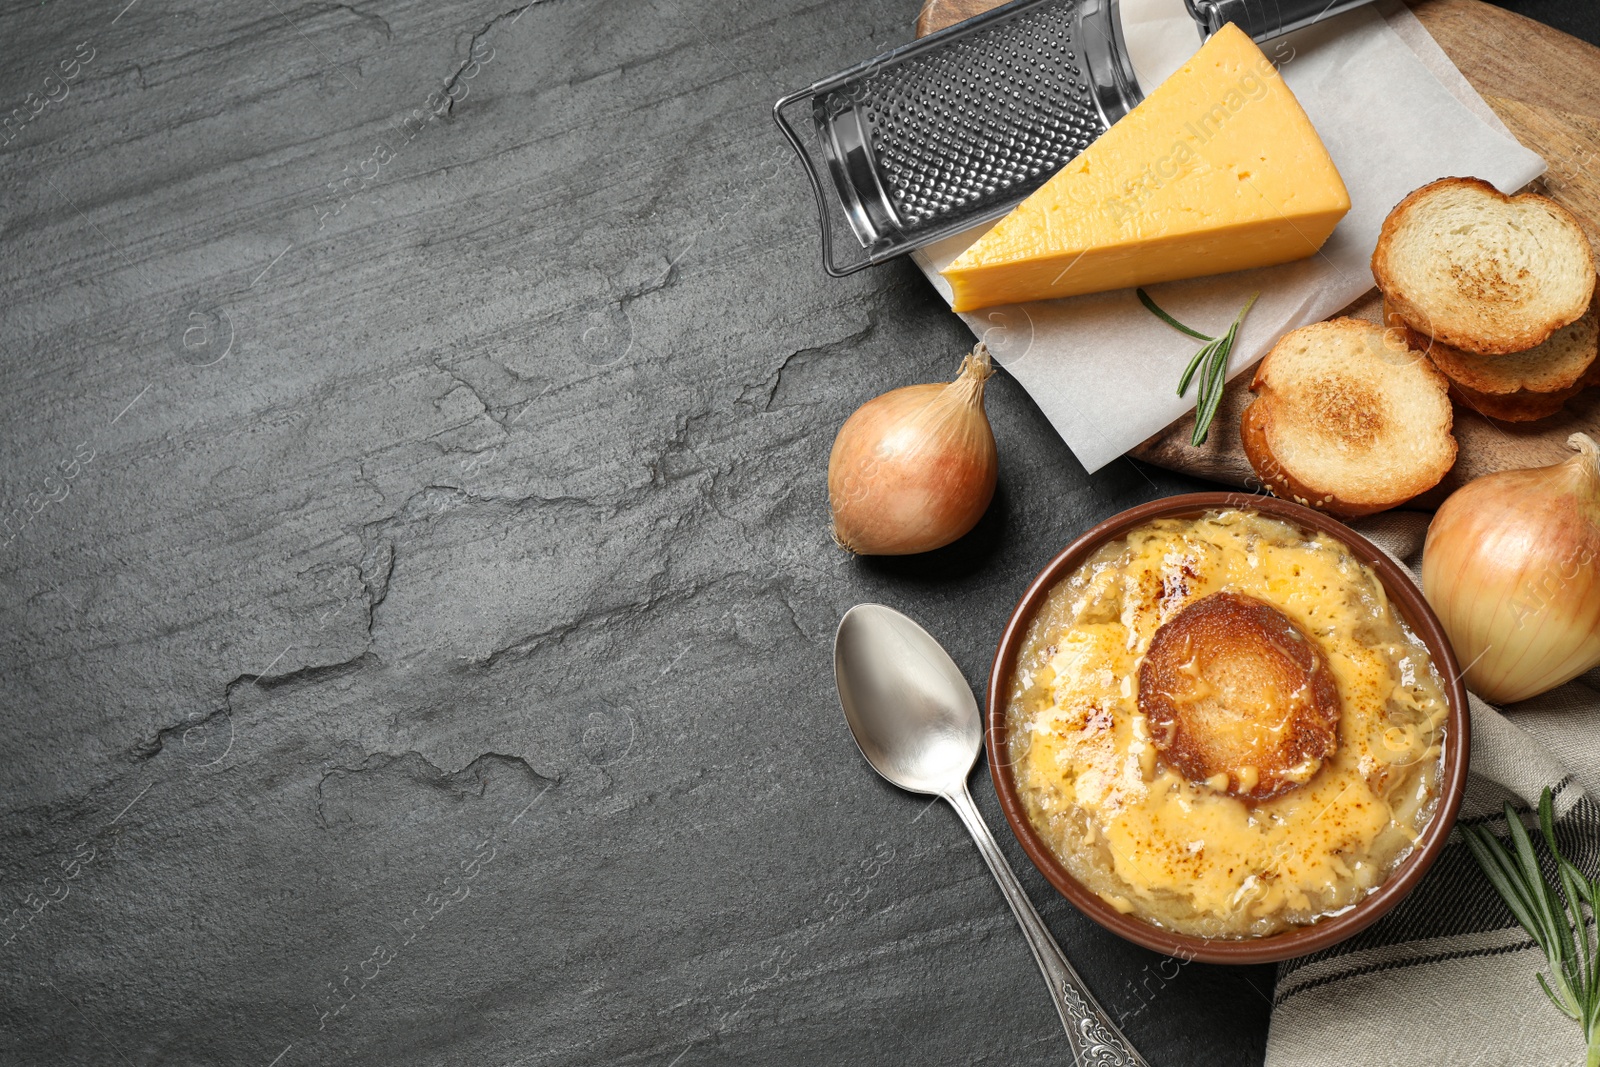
x,y
908,705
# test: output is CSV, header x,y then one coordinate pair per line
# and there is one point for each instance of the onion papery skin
x,y
914,469
1510,568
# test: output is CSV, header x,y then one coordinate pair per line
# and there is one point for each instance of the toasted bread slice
x,y
1524,406
1239,698
1561,362
1348,418
1484,272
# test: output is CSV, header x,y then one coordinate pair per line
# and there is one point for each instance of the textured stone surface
x,y
417,604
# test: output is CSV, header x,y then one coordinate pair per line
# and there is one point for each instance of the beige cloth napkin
x,y
1448,977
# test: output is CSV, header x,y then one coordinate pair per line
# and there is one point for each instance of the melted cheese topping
x,y
1180,853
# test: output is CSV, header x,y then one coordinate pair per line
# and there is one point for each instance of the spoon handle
x,y
1095,1039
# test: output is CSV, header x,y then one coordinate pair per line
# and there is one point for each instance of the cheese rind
x,y
1219,169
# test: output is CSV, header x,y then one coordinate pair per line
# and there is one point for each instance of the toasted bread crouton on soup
x,y
1239,697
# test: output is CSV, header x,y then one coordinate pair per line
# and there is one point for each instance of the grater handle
x,y
1265,19
834,269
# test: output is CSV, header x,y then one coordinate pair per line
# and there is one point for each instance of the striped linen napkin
x,y
1448,977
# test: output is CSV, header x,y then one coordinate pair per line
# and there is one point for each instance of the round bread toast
x,y
1562,361
1524,406
1348,419
1239,698
1481,271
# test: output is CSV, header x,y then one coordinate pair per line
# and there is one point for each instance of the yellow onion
x,y
914,469
1509,566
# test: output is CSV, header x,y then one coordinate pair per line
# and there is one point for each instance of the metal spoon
x,y
915,720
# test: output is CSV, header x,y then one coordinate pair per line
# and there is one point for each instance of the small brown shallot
x,y
915,468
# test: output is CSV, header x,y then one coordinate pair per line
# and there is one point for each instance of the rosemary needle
x,y
1211,362
1194,364
1144,298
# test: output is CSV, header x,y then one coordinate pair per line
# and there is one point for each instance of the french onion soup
x,y
1221,725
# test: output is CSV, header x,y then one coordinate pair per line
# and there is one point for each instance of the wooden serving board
x,y
1545,86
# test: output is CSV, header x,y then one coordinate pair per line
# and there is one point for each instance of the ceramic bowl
x,y
1403,593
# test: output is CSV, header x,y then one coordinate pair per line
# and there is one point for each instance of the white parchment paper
x,y
1393,112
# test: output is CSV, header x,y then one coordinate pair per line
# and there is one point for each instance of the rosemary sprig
x,y
1560,922
1213,357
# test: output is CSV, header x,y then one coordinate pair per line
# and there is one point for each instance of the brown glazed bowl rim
x,y
1299,941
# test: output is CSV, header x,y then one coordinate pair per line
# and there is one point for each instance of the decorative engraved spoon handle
x,y
1095,1039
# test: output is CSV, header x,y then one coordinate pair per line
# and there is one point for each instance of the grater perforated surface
x,y
991,116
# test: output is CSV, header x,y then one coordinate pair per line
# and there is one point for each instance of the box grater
x,y
957,128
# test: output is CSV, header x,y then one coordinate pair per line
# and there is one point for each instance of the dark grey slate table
x,y
417,591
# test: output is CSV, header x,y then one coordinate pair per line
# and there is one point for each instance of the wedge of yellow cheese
x,y
1219,169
